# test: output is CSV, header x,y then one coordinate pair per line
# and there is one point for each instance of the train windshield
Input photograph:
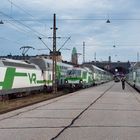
x,y
74,73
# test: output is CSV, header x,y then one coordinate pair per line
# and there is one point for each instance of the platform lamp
x,y
108,21
1,22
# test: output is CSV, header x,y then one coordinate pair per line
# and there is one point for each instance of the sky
x,y
82,20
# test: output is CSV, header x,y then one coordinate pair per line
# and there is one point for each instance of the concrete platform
x,y
104,112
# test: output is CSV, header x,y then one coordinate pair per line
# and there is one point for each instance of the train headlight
x,y
66,81
81,81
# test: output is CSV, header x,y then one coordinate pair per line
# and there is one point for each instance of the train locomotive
x,y
86,76
78,77
47,64
18,76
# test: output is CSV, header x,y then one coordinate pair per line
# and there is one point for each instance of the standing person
x,y
123,83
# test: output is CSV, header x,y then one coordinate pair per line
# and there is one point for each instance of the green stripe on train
x,y
11,74
9,78
44,81
74,78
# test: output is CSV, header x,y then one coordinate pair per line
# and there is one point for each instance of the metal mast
x,y
138,56
54,55
83,52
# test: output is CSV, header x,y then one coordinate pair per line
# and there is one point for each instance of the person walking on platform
x,y
123,83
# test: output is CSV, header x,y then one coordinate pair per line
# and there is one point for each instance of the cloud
x,y
95,32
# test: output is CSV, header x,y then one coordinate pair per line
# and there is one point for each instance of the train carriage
x,y
19,76
47,65
137,83
99,75
79,78
46,68
62,72
133,77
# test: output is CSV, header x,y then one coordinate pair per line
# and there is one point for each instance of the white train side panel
x,y
11,78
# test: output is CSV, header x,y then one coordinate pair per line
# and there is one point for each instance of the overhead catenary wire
x,y
35,32
64,43
25,11
11,7
20,29
112,44
14,41
81,19
17,28
44,43
10,1
74,19
84,19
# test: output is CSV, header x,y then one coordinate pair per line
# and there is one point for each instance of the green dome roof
x,y
74,51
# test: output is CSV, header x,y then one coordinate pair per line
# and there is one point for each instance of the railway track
x,y
17,103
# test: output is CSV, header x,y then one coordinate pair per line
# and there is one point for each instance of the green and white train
x,y
86,76
79,78
17,76
133,77
46,66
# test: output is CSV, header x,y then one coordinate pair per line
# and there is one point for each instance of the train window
x,y
18,65
48,65
78,72
69,72
49,77
42,71
84,75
